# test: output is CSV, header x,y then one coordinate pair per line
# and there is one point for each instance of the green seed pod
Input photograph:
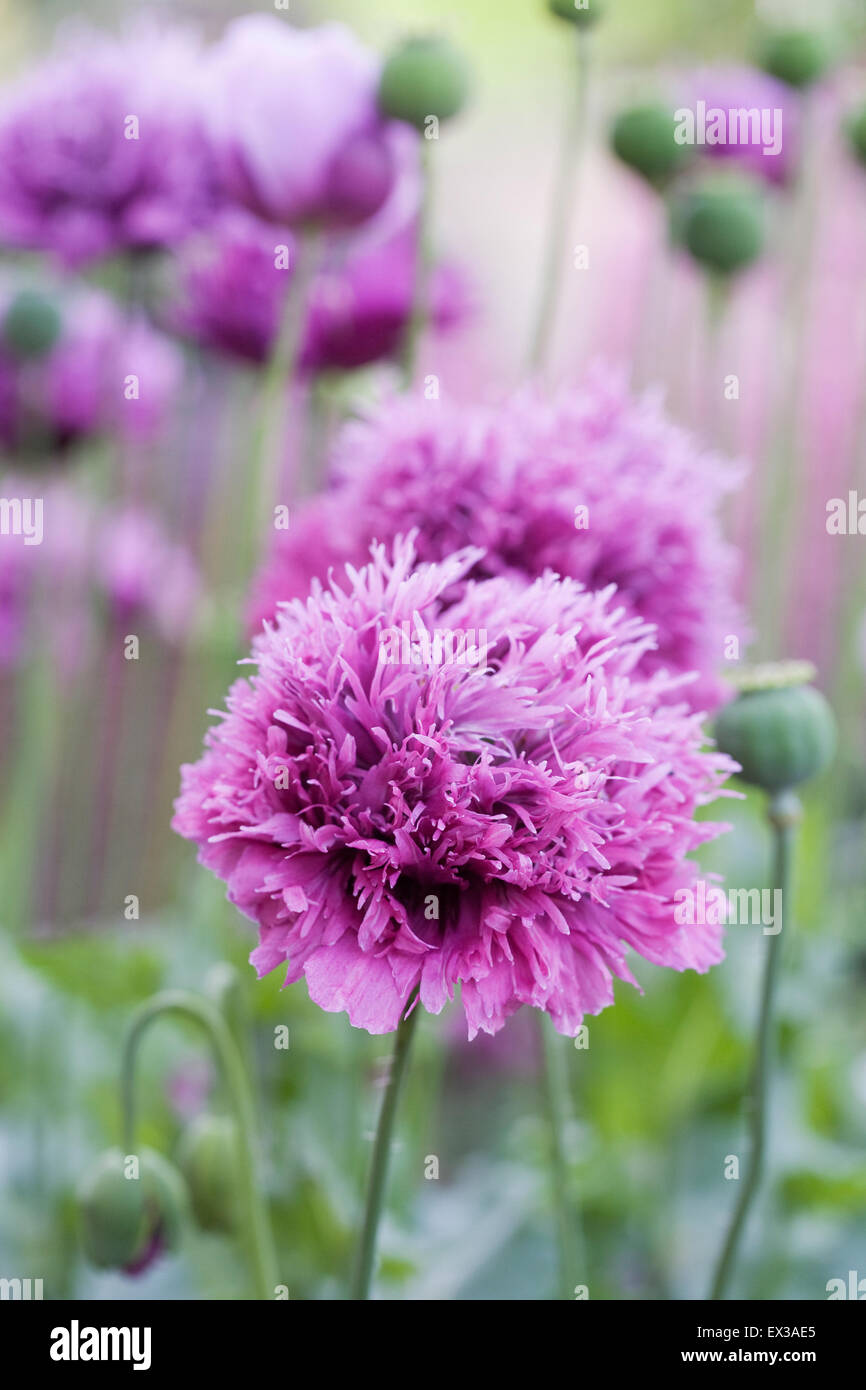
x,y
779,729
208,1158
798,57
720,225
643,138
122,1216
583,13
855,130
31,324
426,77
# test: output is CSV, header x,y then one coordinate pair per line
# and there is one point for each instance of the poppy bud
x,y
720,225
643,138
426,77
780,729
130,1212
208,1159
31,324
584,13
798,57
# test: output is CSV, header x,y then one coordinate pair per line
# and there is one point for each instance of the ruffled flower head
x,y
103,148
592,484
414,794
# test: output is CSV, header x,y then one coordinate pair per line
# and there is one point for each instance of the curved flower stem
x,y
783,813
564,193
366,1255
420,313
558,1101
256,1226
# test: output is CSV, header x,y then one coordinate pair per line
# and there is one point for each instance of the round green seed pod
x,y
426,77
121,1215
782,732
720,225
208,1159
643,138
583,13
798,57
31,324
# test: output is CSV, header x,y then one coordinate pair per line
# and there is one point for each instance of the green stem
x,y
784,814
256,1226
420,314
366,1256
558,1103
269,436
564,193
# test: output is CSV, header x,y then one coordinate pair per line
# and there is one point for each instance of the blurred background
x,y
101,905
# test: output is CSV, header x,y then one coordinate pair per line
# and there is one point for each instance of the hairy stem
x,y
257,1232
784,814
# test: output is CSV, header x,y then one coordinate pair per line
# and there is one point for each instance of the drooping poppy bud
x,y
132,1208
208,1159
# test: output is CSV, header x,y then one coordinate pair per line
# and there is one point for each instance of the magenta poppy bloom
x,y
231,292
593,484
767,112
88,559
104,374
509,816
103,150
295,124
144,574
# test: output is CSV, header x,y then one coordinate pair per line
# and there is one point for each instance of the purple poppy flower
x,y
593,485
102,148
761,120
116,558
143,573
295,124
511,823
231,292
104,373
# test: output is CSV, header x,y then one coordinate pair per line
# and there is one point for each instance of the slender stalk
x,y
256,1226
783,464
564,194
420,313
366,1255
271,410
784,814
558,1101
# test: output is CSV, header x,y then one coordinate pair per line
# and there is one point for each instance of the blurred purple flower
x,y
748,89
142,572
295,125
511,480
230,296
511,825
44,594
103,149
105,373
120,558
